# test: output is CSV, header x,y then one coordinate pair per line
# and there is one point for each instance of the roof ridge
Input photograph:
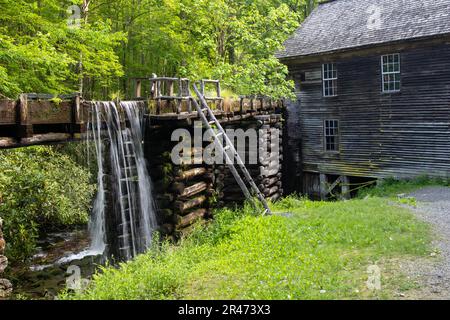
x,y
331,28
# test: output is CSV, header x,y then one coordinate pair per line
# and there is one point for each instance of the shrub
x,y
40,189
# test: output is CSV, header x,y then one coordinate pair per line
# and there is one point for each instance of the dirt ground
x,y
432,274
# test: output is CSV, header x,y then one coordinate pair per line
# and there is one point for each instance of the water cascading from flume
x,y
124,184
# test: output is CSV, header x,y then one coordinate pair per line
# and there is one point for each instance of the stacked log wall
x,y
183,192
266,172
188,193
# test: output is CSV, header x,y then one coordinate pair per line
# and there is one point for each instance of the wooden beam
x,y
345,188
138,88
334,185
182,207
45,138
190,174
323,186
189,191
25,128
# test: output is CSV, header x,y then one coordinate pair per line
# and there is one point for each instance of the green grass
x,y
321,252
392,187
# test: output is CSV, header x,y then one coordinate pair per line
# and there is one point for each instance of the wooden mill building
x,y
373,86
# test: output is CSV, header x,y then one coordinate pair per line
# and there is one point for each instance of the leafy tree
x,y
230,40
40,52
40,189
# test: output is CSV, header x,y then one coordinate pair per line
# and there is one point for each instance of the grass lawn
x,y
391,188
322,251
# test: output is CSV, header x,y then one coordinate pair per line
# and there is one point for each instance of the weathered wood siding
x,y
292,135
403,134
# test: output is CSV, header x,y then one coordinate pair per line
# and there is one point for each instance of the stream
x,y
47,272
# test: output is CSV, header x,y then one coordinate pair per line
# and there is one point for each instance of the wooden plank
x,y
48,112
7,112
25,128
191,218
138,93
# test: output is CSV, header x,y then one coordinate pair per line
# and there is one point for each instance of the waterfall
x,y
97,223
124,212
147,207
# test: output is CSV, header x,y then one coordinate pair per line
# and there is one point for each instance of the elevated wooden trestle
x,y
184,193
36,119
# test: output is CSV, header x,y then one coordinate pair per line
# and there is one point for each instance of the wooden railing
x,y
170,96
42,118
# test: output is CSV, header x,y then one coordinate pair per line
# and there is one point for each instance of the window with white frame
x,y
331,135
329,72
390,68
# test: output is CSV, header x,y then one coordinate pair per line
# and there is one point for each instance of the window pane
x,y
396,67
331,140
329,79
391,72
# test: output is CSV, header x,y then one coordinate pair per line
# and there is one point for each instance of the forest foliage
x,y
40,189
45,48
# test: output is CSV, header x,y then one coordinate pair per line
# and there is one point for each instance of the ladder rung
x,y
131,179
239,179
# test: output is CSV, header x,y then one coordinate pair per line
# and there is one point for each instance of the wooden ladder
x,y
210,120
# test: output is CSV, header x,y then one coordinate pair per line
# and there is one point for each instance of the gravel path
x,y
433,275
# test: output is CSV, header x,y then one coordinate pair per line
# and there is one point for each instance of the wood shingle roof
x,y
346,24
